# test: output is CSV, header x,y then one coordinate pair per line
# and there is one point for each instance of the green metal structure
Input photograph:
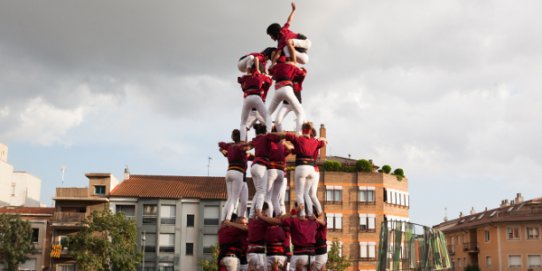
x,y
409,246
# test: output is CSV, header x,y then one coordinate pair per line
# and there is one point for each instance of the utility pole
x,y
209,165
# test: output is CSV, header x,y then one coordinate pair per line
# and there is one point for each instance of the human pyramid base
x,y
271,238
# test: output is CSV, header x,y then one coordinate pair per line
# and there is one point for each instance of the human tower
x,y
273,238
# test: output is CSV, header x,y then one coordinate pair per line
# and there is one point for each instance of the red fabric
x,y
262,147
237,156
304,146
230,235
256,83
256,231
298,80
286,72
321,233
277,156
285,35
303,232
275,234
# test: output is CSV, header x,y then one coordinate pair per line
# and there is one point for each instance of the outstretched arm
x,y
291,14
236,225
270,220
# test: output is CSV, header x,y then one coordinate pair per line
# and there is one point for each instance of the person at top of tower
x,y
288,41
257,60
237,155
255,86
285,73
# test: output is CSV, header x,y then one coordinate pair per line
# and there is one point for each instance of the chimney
x,y
323,150
504,203
519,198
472,211
126,173
460,214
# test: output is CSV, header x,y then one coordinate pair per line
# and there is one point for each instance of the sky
x,y
447,90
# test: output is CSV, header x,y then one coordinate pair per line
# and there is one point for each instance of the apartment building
x,y
39,219
177,217
72,206
499,239
19,188
356,203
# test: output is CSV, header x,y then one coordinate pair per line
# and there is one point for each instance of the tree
x,y
15,241
212,263
364,166
106,242
336,262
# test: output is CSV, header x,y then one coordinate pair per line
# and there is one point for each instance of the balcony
x,y
471,247
68,218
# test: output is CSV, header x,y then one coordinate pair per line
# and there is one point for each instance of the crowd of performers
x,y
270,238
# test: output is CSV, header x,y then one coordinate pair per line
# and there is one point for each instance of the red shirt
x,y
304,146
321,238
262,148
230,240
237,156
255,84
285,72
256,231
277,156
303,232
298,80
285,35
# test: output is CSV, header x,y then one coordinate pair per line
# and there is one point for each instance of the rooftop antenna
x,y
62,170
209,164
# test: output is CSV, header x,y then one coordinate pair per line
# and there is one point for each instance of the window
x,y
334,221
367,222
35,235
29,265
512,233
189,248
165,267
167,242
339,246
487,236
127,210
149,214
67,267
366,195
534,261
167,214
514,261
533,233
150,243
334,194
208,242
189,220
367,250
488,261
210,216
99,190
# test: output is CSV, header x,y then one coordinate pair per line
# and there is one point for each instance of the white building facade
x,y
19,188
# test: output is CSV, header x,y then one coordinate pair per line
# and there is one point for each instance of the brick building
x,y
504,238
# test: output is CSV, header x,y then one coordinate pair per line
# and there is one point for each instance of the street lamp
x,y
143,239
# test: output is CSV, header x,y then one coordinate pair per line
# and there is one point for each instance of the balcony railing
x,y
470,246
68,217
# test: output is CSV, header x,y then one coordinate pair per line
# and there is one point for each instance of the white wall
x,y
18,188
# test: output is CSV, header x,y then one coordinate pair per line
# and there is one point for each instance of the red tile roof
x,y
174,187
27,210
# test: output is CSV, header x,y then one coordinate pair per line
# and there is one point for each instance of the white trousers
x,y
282,195
299,260
259,177
253,101
254,116
302,185
231,263
256,261
234,186
275,178
280,259
243,200
302,58
318,261
244,64
286,93
282,112
312,195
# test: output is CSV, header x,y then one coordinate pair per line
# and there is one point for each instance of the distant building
x,y
39,219
504,238
19,188
177,217
356,203
72,205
